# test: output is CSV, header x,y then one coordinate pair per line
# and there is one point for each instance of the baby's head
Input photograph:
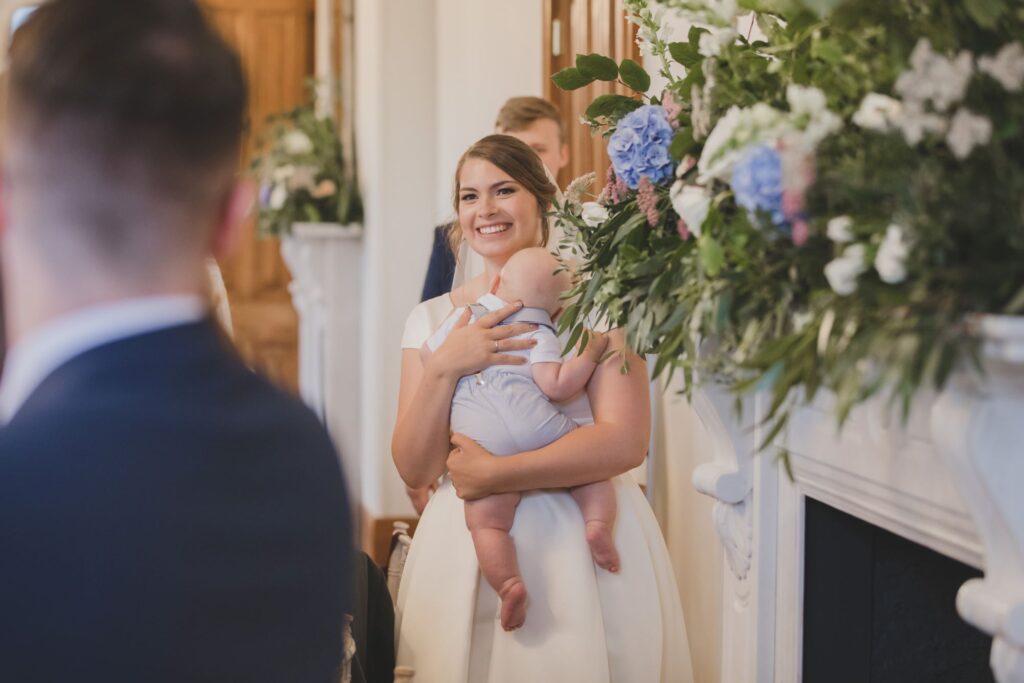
x,y
535,277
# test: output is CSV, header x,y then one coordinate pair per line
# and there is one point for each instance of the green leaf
x,y
694,35
682,142
828,51
599,67
634,76
824,7
612,106
685,54
571,79
711,254
986,13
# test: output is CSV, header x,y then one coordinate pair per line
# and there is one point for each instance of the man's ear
x,y
235,210
564,158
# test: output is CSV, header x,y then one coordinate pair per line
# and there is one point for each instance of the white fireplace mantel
x,y
950,480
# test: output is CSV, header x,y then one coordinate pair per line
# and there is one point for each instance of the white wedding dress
x,y
583,624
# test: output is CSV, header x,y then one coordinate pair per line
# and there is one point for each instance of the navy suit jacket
x,y
441,269
167,515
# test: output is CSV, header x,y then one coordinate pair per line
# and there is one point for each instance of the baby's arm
x,y
562,381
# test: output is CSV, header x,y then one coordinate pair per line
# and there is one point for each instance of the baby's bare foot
x,y
602,547
513,603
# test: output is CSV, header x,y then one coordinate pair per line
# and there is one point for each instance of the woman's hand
x,y
471,348
471,468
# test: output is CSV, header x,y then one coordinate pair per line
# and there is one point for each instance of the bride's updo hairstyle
x,y
521,163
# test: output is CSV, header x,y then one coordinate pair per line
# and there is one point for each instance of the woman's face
x,y
498,216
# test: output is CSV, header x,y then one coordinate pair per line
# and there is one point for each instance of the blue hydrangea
x,y
757,183
639,147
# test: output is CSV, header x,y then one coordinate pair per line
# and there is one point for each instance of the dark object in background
x,y
441,269
373,625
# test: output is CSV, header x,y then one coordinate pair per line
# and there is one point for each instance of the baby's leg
x,y
490,520
598,504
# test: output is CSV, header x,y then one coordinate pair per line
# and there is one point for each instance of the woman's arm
x,y
615,443
419,443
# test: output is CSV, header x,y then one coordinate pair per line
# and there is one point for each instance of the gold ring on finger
x,y
497,346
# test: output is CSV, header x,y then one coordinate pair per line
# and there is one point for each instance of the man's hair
x,y
124,119
519,113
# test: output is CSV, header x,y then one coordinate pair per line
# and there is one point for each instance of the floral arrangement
x,y
302,174
827,190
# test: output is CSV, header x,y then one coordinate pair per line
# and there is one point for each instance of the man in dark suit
x,y
165,514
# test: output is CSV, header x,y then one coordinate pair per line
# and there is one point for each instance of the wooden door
x,y
274,39
574,27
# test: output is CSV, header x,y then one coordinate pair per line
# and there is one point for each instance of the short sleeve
x,y
548,348
436,339
417,328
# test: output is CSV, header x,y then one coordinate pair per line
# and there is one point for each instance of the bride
x,y
584,624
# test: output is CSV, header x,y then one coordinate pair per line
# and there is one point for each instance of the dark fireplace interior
x,y
881,609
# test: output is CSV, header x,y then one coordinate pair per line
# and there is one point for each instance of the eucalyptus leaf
x,y
686,54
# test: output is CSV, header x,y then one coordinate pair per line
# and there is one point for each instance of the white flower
x,y
1007,67
594,214
297,142
891,260
839,229
278,196
733,133
915,122
712,42
283,173
935,78
842,272
692,204
806,100
724,10
820,127
878,112
801,319
966,131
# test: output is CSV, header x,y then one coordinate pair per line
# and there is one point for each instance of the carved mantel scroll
x,y
978,425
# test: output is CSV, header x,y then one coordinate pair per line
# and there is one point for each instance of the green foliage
x,y
597,67
634,76
737,297
302,174
571,78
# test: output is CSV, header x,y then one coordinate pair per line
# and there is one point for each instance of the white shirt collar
x,y
491,302
30,361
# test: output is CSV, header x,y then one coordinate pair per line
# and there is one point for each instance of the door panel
x,y
582,27
274,39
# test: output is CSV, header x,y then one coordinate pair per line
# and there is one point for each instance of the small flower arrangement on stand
x,y
302,172
829,189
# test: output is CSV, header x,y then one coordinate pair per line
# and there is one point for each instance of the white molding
x,y
326,262
951,479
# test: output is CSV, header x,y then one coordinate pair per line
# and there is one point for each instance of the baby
x,y
507,410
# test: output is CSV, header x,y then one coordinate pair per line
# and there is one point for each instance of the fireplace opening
x,y
881,609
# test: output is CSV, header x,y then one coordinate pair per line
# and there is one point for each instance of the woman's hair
x,y
515,158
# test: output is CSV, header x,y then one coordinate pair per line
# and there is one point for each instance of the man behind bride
x,y
165,514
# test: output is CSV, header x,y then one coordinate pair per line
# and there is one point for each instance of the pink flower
x,y
683,229
671,107
611,192
793,203
647,200
801,231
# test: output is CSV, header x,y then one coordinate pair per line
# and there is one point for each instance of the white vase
x,y
978,426
325,260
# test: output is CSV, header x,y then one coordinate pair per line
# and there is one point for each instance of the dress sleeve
x,y
548,348
417,328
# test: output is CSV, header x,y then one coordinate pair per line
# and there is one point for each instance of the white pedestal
x,y
326,262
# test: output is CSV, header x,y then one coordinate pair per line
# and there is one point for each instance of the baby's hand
x,y
597,343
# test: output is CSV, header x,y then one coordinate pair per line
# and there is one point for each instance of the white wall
x,y
487,51
430,77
